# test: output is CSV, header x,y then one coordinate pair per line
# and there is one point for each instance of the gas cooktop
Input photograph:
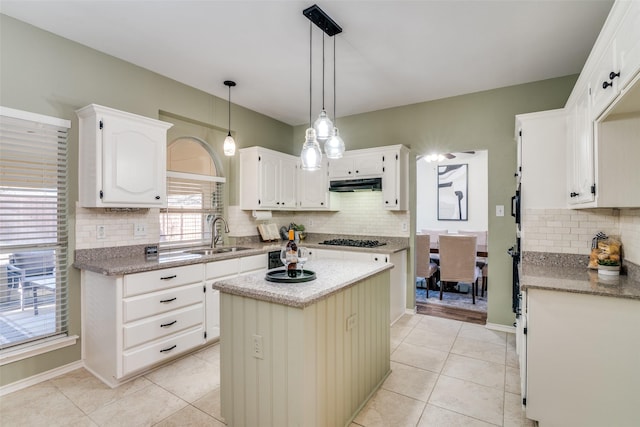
x,y
352,242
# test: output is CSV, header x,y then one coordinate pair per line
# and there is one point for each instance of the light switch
x,y
499,210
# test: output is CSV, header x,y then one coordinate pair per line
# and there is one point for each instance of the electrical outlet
x,y
405,226
257,347
310,222
101,232
499,210
140,229
351,321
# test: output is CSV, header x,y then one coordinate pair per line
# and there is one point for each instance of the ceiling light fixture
x,y
229,143
334,147
311,153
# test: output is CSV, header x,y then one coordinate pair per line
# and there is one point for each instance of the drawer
x,y
227,267
150,281
158,352
253,263
161,302
163,325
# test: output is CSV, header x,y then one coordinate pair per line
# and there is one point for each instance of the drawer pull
x,y
169,277
168,349
166,325
164,301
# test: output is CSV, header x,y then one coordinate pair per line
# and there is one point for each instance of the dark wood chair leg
x,y
441,286
484,285
474,288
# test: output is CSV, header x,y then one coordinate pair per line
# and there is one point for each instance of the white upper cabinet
x,y
615,58
313,188
580,152
267,179
356,164
604,110
628,45
122,159
395,178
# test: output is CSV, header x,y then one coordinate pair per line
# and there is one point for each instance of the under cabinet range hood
x,y
360,184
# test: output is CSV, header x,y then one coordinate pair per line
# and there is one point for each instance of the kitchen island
x,y
304,354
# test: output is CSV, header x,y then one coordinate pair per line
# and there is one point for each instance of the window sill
x,y
33,349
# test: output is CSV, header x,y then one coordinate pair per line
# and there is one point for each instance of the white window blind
x,y
33,227
192,202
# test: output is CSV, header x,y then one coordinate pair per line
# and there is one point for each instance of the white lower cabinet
x,y
398,285
225,269
581,359
135,321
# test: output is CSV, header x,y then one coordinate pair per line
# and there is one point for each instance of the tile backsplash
x,y
361,213
118,227
571,230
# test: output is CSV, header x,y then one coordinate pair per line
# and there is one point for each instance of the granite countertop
x,y
116,261
577,280
332,276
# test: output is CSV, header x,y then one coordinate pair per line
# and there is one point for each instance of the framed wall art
x,y
453,193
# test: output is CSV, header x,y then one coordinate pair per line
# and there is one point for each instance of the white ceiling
x,y
390,53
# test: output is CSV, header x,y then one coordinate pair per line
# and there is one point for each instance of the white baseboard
x,y
38,378
410,310
501,328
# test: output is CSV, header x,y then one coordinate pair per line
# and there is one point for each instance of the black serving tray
x,y
280,276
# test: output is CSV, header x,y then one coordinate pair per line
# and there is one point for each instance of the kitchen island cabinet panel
x,y
317,365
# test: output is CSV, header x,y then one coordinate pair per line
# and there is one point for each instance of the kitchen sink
x,y
213,251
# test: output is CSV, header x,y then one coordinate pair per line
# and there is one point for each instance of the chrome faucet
x,y
214,231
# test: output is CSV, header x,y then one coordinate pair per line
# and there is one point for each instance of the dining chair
x,y
481,241
434,235
424,267
485,279
458,261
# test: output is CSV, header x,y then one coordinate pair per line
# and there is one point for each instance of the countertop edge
x,y
129,264
259,294
579,280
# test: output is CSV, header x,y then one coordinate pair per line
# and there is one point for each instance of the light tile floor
x,y
444,373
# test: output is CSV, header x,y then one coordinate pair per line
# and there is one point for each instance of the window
x,y
194,191
33,227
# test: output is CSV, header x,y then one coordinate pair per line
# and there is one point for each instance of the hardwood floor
x,y
454,313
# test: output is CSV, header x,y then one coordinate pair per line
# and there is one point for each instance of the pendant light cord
x,y
335,115
310,71
229,110
323,70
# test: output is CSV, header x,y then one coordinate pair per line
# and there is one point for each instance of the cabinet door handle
x,y
613,75
166,325
606,84
169,277
157,197
573,194
164,301
168,349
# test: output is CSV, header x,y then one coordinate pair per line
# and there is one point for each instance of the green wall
x,y
46,74
483,120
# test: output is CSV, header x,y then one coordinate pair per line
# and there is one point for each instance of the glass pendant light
x,y
323,125
229,145
311,155
334,146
